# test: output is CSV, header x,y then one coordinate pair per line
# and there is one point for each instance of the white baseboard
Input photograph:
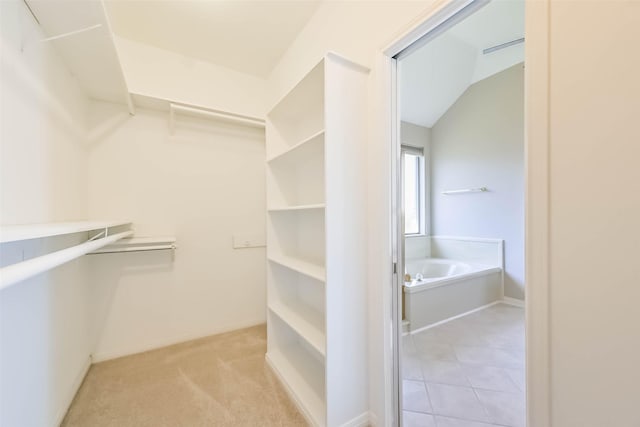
x,y
361,420
73,391
373,419
102,356
466,313
513,301
290,392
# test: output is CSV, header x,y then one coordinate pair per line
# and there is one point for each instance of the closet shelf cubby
x,y
304,320
301,150
302,374
301,266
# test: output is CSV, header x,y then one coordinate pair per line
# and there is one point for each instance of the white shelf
x,y
90,55
297,208
303,267
302,149
303,378
304,320
13,233
299,114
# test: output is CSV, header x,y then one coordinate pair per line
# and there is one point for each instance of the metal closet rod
x,y
222,115
20,271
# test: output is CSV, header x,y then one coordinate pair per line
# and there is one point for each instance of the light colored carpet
x,y
215,381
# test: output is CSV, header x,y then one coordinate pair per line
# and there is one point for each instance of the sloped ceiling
x,y
433,77
245,36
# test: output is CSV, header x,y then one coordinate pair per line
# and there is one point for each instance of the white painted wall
x,y
594,208
44,339
479,142
358,30
201,185
165,74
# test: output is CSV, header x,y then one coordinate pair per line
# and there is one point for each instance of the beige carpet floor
x,y
215,381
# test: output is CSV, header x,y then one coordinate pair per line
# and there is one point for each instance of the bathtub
x,y
440,289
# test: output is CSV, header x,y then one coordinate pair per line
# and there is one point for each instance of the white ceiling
x,y
433,77
246,36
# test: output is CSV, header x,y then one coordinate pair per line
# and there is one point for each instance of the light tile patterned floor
x,y
466,373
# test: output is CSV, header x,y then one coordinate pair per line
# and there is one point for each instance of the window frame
x,y
421,187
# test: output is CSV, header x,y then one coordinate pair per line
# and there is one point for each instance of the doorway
x,y
459,144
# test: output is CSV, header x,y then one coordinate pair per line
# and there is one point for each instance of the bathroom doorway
x,y
459,303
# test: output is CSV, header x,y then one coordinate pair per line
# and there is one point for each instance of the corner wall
x,y
44,336
594,211
479,142
165,74
203,184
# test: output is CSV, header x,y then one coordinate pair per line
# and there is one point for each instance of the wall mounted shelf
x,y
138,244
20,271
297,208
13,233
81,32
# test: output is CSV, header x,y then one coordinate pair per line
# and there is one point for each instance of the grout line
x,y
491,423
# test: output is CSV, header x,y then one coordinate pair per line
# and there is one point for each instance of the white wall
x,y
44,339
594,208
479,142
165,74
358,30
201,185
418,136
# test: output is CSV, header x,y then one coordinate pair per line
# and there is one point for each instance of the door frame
x,y
537,83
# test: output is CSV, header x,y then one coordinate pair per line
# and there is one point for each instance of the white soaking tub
x,y
440,289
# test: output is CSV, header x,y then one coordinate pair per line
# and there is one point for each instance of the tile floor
x,y
466,373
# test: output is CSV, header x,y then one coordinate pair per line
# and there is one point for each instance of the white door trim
x,y
536,200
537,231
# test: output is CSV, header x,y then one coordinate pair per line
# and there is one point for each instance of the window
x,y
414,190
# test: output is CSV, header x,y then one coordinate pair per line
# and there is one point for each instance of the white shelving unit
x,y
316,243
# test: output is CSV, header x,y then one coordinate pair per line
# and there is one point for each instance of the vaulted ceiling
x,y
433,77
246,36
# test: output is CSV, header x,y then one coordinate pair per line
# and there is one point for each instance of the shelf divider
x,y
295,147
306,322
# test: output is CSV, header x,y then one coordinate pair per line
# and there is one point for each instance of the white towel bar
x,y
466,190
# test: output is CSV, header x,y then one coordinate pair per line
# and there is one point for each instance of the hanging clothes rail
x,y
215,114
138,244
20,271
